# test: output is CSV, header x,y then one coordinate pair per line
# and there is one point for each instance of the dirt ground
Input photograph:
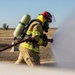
x,y
6,39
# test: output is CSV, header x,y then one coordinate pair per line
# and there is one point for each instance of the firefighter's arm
x,y
36,35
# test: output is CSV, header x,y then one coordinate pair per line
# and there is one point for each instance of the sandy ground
x,y
45,54
7,39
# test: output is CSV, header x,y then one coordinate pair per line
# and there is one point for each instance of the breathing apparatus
x,y
45,27
22,27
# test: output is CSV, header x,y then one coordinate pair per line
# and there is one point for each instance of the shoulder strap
x,y
35,20
27,26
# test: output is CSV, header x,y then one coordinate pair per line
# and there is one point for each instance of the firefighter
x,y
29,50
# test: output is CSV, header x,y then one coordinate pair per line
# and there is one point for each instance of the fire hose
x,y
3,49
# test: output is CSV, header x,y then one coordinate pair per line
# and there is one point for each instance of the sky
x,y
11,11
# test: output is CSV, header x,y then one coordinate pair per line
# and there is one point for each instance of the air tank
x,y
20,27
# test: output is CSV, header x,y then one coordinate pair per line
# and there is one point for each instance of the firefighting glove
x,y
50,40
45,40
33,40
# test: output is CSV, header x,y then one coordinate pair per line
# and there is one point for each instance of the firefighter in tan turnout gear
x,y
29,50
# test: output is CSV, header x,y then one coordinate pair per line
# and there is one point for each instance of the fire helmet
x,y
45,16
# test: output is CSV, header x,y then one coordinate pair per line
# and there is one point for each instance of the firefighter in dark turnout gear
x,y
29,50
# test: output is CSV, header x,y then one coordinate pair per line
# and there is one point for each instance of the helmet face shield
x,y
51,19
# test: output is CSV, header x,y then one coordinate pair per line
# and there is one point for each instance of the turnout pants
x,y
30,57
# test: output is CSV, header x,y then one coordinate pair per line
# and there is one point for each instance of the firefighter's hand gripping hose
x,y
46,40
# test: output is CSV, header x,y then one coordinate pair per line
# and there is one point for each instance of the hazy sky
x,y
11,11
